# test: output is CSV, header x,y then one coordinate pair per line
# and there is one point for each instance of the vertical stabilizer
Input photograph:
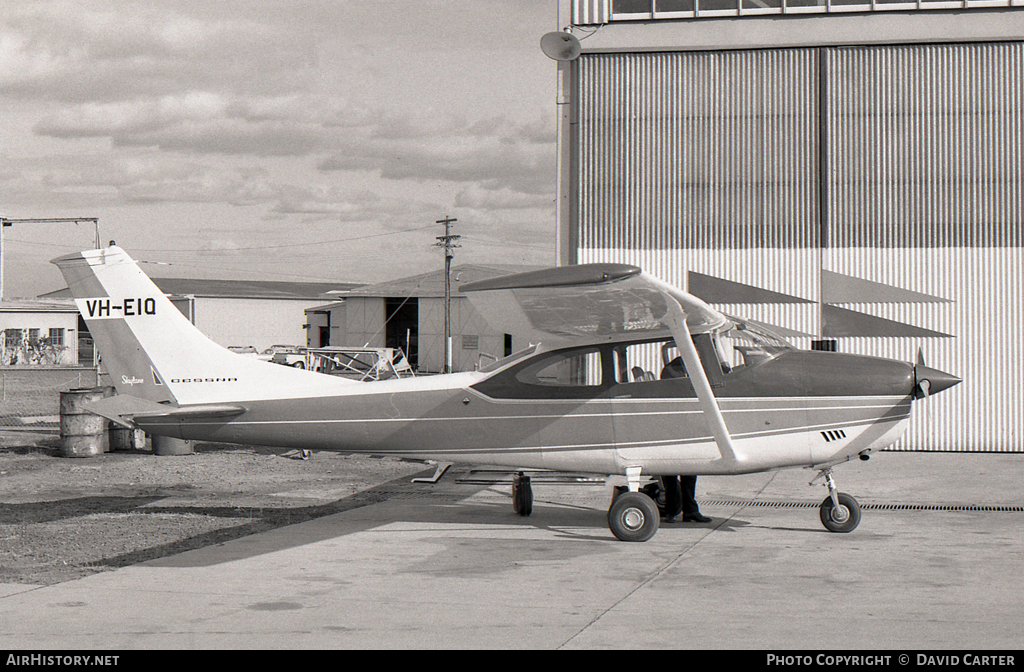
x,y
152,351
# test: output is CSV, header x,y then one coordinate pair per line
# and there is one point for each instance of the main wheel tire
x,y
844,519
633,517
522,495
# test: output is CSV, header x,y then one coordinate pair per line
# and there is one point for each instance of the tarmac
x,y
935,564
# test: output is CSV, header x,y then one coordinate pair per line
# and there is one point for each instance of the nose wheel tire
x,y
633,516
845,518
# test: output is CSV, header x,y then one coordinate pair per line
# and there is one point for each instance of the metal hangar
x,y
851,171
409,313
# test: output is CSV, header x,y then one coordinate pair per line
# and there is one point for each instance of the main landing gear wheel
x,y
844,518
633,516
522,494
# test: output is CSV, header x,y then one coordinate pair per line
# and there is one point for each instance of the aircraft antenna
x,y
447,241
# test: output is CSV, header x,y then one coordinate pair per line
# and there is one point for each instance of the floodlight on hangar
x,y
560,46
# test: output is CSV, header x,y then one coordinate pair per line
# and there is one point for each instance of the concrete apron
x,y
452,566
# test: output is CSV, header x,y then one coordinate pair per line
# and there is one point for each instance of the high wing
x,y
593,303
589,303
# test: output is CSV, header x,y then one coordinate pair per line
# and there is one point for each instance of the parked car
x,y
287,355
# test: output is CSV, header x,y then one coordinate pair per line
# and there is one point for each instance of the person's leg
x,y
688,491
673,498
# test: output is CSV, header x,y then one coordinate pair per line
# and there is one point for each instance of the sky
x,y
284,140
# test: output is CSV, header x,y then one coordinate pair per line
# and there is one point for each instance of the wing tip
x,y
558,276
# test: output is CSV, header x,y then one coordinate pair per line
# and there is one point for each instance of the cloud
x,y
492,154
209,79
479,198
209,123
69,53
308,119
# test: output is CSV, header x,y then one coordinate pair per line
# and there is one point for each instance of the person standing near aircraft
x,y
680,491
680,500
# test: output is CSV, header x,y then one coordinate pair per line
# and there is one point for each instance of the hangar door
x,y
871,197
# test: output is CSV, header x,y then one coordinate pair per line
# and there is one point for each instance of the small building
x,y
39,333
409,314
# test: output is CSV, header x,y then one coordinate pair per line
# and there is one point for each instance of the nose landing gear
x,y
839,511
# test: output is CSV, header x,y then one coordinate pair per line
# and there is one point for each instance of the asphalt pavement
x,y
934,564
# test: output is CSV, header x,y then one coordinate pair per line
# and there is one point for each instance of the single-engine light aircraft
x,y
627,375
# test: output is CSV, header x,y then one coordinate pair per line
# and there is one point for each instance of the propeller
x,y
930,381
923,387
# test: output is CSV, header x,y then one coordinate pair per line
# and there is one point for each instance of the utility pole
x,y
7,221
447,241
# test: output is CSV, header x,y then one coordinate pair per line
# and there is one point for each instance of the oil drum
x,y
83,434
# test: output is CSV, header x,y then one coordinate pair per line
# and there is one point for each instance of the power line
x,y
239,249
10,221
289,245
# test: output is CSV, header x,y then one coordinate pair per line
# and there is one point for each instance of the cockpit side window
x,y
646,362
573,373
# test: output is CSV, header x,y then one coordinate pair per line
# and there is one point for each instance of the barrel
x,y
168,445
83,434
126,438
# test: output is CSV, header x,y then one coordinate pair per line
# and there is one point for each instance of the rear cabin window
x,y
575,368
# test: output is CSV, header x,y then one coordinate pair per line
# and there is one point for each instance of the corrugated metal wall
x,y
925,159
465,322
924,145
652,127
713,163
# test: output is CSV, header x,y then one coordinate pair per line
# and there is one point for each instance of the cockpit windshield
x,y
746,344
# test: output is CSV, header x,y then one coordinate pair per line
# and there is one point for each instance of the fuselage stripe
x,y
812,429
547,416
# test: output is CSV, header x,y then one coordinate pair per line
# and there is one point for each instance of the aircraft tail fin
x,y
153,352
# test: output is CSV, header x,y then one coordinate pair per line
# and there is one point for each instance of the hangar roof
x,y
37,306
240,289
431,285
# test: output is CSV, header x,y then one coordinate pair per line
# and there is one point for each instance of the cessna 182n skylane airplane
x,y
729,397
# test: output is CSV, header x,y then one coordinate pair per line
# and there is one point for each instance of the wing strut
x,y
676,320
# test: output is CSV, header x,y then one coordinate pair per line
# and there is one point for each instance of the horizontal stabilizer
x,y
124,409
196,411
121,408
